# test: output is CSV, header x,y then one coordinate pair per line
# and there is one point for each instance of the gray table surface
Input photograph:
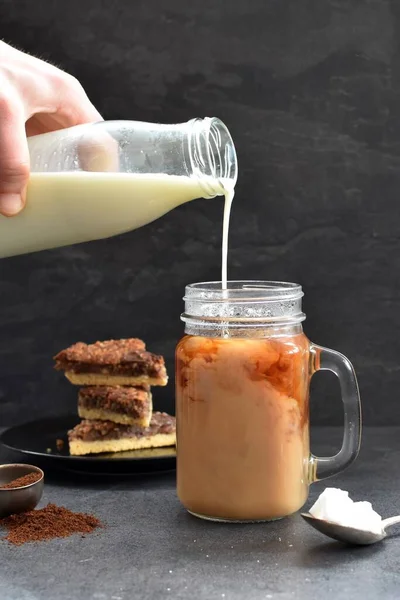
x,y
152,549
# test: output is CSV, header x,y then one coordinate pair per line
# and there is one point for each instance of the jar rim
x,y
244,303
254,290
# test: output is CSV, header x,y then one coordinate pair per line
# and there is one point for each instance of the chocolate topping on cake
x,y
90,431
114,357
124,400
111,352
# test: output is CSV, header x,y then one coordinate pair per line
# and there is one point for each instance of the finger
x,y
44,88
59,102
98,151
14,155
73,104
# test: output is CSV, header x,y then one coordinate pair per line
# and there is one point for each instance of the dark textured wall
x,y
311,93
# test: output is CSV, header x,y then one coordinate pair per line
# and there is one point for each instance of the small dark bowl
x,y
21,499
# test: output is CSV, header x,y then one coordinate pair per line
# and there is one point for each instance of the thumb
x,y
14,156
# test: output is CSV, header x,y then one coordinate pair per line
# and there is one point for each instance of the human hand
x,y
35,97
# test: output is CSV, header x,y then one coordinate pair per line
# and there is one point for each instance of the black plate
x,y
37,439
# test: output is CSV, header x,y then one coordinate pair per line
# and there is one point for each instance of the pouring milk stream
x,y
97,180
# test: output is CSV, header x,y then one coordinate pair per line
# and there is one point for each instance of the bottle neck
x,y
211,156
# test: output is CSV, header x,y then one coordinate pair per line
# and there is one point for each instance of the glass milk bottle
x,y
97,180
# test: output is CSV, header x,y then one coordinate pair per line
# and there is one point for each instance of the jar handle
x,y
330,360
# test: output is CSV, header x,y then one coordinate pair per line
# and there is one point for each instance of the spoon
x,y
19,499
349,535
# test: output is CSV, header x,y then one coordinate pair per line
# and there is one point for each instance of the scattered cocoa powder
x,y
47,523
21,481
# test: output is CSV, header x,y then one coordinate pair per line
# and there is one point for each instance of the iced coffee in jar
x,y
243,372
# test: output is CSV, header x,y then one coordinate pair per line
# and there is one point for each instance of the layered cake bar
x,y
95,437
125,405
111,363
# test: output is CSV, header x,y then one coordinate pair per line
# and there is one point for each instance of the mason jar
x,y
243,372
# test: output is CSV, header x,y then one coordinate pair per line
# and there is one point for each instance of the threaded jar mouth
x,y
252,303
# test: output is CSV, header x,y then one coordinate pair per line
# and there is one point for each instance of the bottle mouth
x,y
243,303
212,155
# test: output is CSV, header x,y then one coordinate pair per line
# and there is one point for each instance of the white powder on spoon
x,y
335,506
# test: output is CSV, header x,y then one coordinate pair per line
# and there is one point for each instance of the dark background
x,y
310,91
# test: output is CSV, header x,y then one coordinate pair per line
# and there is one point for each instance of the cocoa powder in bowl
x,y
22,481
47,523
